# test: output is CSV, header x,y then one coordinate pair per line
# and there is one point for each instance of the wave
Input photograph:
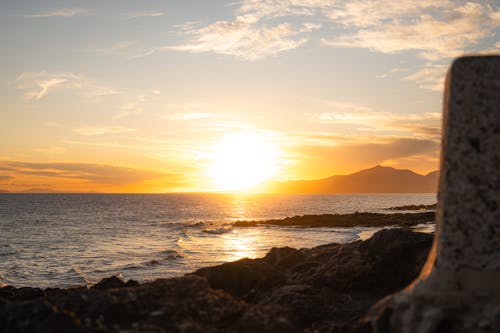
x,y
218,231
160,258
170,254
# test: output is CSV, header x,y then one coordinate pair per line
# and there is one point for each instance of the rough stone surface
x,y
323,289
468,215
458,289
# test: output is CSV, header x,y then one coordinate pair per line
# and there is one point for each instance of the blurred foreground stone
x,y
459,288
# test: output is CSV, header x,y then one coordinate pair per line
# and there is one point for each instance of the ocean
x,y
63,240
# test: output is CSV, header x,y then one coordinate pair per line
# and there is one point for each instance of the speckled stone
x,y
458,289
468,214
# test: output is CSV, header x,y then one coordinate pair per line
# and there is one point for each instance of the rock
x,y
21,294
239,278
60,322
114,281
284,257
346,220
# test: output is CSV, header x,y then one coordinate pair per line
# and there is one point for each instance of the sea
x,y
65,240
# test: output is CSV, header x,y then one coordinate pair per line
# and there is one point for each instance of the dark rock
x,y
347,220
240,277
21,294
284,257
111,282
131,283
414,207
60,322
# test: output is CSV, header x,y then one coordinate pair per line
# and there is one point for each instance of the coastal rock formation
x,y
326,288
347,220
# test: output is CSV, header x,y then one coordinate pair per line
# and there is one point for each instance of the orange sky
x,y
128,96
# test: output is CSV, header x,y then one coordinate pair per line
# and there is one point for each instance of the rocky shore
x,y
324,289
347,220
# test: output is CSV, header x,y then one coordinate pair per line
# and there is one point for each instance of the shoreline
x,y
345,220
325,288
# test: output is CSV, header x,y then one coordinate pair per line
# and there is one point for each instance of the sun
x,y
240,161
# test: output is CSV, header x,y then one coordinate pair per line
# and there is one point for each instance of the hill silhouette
x,y
378,179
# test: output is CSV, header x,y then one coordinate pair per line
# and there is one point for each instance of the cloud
x,y
133,16
98,174
62,12
433,30
241,39
255,10
425,124
431,77
36,85
366,13
134,108
39,84
100,130
344,156
438,29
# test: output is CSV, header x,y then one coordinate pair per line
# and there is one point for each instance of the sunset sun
x,y
240,161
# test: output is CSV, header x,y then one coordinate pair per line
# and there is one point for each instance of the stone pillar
x,y
459,288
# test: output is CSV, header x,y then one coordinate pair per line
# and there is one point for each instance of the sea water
x,y
62,240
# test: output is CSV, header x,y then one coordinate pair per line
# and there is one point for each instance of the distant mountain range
x,y
378,179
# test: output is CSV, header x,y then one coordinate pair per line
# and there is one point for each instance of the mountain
x,y
378,179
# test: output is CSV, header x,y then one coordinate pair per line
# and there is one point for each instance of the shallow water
x,y
60,240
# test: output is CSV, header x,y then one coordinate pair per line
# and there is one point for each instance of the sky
x,y
162,96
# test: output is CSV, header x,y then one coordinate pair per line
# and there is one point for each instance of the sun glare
x,y
240,161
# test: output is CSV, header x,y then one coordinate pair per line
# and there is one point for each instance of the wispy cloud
x,y
62,12
425,124
133,108
101,130
138,15
337,157
438,29
431,77
88,172
241,39
434,30
4,178
36,85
